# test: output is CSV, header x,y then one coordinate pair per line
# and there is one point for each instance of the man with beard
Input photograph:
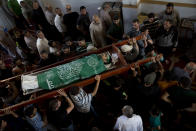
x,y
170,13
96,32
83,23
70,20
105,16
167,38
58,21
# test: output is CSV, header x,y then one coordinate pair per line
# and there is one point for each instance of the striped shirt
x,y
152,26
82,101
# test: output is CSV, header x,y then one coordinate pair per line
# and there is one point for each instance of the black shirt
x,y
152,27
51,59
70,20
5,73
39,17
179,94
60,117
84,22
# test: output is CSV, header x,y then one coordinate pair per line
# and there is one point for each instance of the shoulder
x,y
137,117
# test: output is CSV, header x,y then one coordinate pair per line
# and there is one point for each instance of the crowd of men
x,y
46,36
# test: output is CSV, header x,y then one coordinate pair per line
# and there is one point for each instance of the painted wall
x,y
180,1
91,5
183,11
128,15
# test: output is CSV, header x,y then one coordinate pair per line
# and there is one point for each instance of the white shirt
x,y
53,50
42,44
50,16
58,21
124,123
82,101
31,42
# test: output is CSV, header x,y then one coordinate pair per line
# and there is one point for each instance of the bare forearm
x,y
96,88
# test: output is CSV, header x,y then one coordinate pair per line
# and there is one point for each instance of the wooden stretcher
x,y
121,67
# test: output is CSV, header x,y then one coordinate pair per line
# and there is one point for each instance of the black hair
x,y
170,5
22,2
16,59
68,38
65,47
169,20
185,81
116,17
135,21
155,111
29,111
50,43
151,15
82,7
37,32
42,52
74,90
80,38
53,104
149,48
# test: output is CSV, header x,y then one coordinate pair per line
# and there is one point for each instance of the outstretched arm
x,y
71,105
98,78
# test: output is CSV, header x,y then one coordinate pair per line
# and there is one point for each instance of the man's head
x,y
81,42
17,33
52,43
151,17
83,10
149,79
185,82
40,34
74,90
30,111
149,50
35,5
190,67
136,24
44,55
167,24
18,62
27,33
58,11
22,3
169,8
127,111
68,41
66,49
106,7
96,19
49,7
54,104
68,8
116,20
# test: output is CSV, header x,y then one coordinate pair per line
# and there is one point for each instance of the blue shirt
x,y
133,33
36,122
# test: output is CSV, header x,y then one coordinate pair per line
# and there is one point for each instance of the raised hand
x,y
62,92
98,77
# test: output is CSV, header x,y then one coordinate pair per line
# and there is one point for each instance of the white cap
x,y
126,48
91,47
